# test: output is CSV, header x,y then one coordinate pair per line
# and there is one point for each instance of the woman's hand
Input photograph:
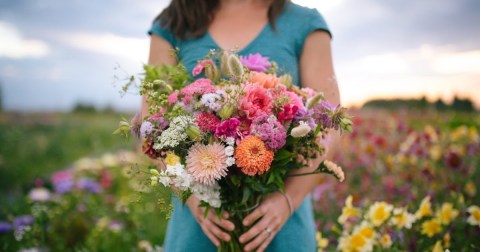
x,y
211,224
272,214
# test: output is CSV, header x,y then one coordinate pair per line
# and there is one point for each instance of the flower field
x,y
412,181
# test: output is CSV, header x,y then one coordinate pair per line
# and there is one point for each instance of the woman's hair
x,y
190,18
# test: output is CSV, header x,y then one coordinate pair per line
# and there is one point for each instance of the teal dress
x,y
284,46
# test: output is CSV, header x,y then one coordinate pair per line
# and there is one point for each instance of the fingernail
x,y
241,239
227,238
245,223
231,227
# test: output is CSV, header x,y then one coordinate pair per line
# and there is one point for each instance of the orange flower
x,y
265,80
252,156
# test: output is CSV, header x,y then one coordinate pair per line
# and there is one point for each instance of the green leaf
x,y
246,194
283,154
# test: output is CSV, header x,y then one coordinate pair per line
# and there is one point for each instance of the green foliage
x,y
458,104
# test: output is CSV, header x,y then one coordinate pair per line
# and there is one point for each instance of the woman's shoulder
x,y
303,19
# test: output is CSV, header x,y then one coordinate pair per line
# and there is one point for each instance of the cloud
x,y
135,49
15,47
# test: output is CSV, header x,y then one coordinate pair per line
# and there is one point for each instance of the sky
x,y
55,54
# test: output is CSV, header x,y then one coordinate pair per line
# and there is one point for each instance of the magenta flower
x,y
227,128
256,62
173,98
207,122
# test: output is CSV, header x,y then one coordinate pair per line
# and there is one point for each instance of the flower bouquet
x,y
233,134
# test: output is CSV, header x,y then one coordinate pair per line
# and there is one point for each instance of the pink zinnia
x,y
207,163
197,88
256,62
228,128
207,122
256,101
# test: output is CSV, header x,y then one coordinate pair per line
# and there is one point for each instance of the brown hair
x,y
190,18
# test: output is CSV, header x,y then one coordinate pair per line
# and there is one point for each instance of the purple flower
x,y
63,186
88,184
22,221
323,113
256,62
270,130
5,227
146,129
305,116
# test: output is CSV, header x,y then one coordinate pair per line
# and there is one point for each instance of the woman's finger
x,y
261,238
210,235
257,229
224,223
212,227
255,215
265,243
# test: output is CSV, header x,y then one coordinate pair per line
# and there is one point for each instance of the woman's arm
x,y
316,71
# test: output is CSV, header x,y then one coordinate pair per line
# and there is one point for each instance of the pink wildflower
x,y
256,62
256,101
207,122
173,98
295,99
197,88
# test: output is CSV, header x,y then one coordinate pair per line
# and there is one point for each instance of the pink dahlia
x,y
295,99
207,122
256,62
256,101
207,163
197,88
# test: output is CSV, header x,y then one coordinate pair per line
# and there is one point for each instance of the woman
x,y
295,37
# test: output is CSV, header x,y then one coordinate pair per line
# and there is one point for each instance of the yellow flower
x,y
355,243
474,218
446,213
432,133
438,247
402,218
459,133
366,230
470,189
386,241
431,227
322,242
435,152
473,135
379,212
172,159
425,208
348,211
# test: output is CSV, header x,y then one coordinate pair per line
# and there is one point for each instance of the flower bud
x,y
211,72
154,172
226,111
194,133
314,100
235,67
286,80
223,64
153,181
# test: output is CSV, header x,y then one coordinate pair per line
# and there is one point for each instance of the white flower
x,y
208,193
175,170
335,169
230,141
230,161
175,134
301,130
211,101
39,194
229,150
164,179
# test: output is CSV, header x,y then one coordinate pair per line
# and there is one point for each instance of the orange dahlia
x,y
252,155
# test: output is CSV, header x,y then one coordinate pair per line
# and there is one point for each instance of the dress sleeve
x,y
317,22
163,32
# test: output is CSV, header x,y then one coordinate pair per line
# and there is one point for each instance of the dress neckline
x,y
248,46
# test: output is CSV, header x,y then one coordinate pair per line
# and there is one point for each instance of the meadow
x,y
67,183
